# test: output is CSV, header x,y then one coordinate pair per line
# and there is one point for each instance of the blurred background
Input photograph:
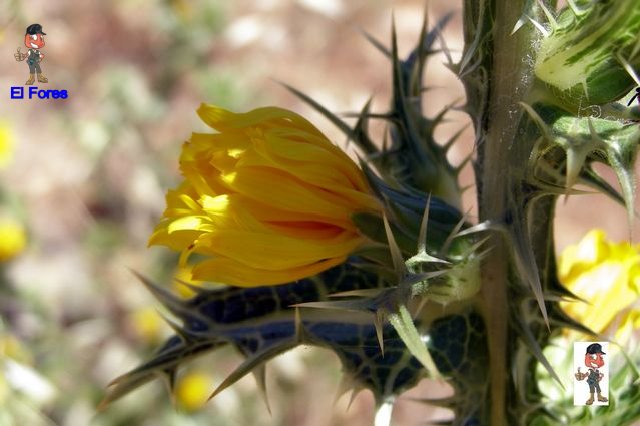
x,y
82,184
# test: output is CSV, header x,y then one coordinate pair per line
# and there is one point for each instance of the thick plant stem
x,y
500,166
496,316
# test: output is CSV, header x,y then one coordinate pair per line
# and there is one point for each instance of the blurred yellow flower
x,y
13,239
629,325
11,347
267,200
182,8
192,391
606,275
6,144
148,324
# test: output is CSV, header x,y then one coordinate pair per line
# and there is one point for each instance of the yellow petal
x,y
233,273
603,273
223,120
578,259
188,223
274,215
178,240
271,186
629,326
273,251
605,290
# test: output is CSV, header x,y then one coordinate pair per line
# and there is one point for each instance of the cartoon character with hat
x,y
34,41
593,359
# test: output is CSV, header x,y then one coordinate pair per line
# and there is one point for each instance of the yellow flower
x,y
183,275
192,391
182,8
629,325
148,324
267,200
6,144
12,239
11,347
606,275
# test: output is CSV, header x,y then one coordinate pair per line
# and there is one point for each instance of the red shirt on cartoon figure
x,y
593,359
34,41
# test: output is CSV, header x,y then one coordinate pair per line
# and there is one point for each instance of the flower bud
x,y
267,200
581,60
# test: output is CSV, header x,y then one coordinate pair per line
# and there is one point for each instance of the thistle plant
x,y
376,260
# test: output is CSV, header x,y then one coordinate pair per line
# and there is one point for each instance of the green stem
x,y
494,89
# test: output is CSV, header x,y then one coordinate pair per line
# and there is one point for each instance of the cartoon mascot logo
x,y
593,360
34,41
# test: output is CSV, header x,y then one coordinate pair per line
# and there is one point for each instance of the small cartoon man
x,y
34,40
593,359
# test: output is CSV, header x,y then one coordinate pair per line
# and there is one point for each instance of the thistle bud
x,y
582,59
267,200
